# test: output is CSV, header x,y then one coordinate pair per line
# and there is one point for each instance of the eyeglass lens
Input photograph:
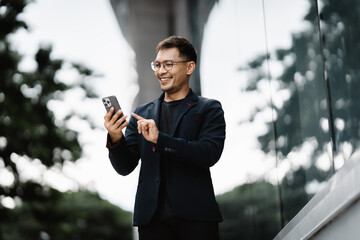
x,y
168,65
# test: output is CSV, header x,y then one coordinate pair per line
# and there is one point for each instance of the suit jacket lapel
x,y
154,110
189,101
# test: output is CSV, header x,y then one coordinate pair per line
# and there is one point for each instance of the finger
x,y
139,126
125,124
107,116
144,127
120,121
116,116
137,116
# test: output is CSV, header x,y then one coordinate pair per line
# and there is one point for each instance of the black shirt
x,y
167,115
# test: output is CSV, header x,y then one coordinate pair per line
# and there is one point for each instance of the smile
x,y
164,79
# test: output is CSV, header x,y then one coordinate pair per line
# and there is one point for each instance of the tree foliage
x,y
321,73
333,49
30,131
71,215
250,211
255,210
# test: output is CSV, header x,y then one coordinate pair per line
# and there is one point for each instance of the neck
x,y
176,96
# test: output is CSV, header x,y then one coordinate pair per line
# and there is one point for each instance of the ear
x,y
190,67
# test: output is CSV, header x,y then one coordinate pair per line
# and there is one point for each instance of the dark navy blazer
x,y
194,145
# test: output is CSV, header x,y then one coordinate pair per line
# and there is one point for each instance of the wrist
x,y
115,139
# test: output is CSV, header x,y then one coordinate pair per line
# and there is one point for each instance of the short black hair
x,y
186,49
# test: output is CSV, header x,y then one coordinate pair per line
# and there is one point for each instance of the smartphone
x,y
111,101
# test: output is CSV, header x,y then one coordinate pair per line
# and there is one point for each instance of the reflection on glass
x,y
234,36
251,211
299,101
267,62
341,37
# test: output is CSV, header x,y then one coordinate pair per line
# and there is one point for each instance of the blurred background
x,y
286,72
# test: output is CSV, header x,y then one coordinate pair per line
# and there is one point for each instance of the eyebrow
x,y
165,60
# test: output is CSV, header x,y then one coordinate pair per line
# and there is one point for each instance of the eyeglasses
x,y
168,65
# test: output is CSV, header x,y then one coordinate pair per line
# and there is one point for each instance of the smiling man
x,y
178,137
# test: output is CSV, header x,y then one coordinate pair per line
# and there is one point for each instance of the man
x,y
178,137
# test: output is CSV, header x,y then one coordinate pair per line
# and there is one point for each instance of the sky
x,y
86,31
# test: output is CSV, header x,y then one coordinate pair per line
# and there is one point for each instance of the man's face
x,y
176,79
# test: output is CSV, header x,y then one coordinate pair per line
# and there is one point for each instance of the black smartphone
x,y
111,101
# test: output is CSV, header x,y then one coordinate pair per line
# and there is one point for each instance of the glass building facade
x,y
288,76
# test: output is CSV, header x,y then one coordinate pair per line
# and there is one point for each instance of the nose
x,y
162,68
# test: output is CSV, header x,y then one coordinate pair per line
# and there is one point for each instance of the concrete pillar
x,y
145,23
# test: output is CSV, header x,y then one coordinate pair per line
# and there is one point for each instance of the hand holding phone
x,y
114,130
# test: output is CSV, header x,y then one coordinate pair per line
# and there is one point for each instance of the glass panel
x,y
266,67
299,102
341,37
234,71
251,211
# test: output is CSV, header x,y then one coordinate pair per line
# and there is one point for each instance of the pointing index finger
x,y
137,116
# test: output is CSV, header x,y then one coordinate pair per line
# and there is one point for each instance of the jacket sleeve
x,y
204,151
125,156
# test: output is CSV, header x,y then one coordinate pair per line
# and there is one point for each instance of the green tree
x,y
341,37
313,95
336,52
250,211
29,130
71,215
314,98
